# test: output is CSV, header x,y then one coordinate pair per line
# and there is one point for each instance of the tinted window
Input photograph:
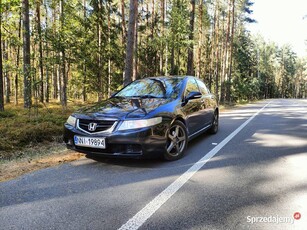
x,y
191,86
152,87
202,87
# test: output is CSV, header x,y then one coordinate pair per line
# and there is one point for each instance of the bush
x,y
6,114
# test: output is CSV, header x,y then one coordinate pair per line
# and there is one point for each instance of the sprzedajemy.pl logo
x,y
274,219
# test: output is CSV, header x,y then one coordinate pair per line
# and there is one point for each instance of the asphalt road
x,y
250,175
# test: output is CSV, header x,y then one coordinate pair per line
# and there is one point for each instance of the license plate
x,y
92,142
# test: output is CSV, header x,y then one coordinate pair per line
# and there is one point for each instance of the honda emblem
x,y
92,127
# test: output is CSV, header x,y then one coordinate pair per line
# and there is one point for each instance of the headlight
x,y
136,124
72,121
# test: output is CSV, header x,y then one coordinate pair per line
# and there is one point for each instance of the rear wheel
x,y
177,140
215,123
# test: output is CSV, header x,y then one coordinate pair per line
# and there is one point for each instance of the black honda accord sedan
x,y
154,116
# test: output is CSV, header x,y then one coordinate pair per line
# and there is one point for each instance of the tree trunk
x,y
55,56
136,60
162,35
172,61
109,51
153,18
18,59
190,67
47,91
200,40
148,67
84,98
1,70
213,49
40,51
6,73
99,32
7,81
228,89
26,56
84,61
63,60
59,79
130,42
166,59
178,62
55,81
226,45
153,71
124,31
216,48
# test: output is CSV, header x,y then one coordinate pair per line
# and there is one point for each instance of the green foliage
x,y
264,70
93,42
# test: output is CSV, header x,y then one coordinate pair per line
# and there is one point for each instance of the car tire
x,y
215,124
177,141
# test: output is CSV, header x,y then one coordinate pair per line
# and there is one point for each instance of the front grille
x,y
102,125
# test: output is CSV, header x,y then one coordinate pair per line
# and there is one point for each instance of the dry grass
x,y
33,159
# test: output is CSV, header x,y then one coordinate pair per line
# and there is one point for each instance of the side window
x,y
191,86
203,88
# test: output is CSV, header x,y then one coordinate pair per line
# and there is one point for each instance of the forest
x,y
84,50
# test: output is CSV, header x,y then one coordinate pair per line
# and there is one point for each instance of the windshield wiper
x,y
148,96
117,97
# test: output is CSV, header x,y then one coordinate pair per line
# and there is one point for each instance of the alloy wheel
x,y
176,140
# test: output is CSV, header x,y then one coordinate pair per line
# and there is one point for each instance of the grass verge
x,y
32,139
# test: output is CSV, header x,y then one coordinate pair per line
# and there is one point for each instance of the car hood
x,y
122,108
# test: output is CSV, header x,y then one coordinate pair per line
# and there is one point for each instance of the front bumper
x,y
139,143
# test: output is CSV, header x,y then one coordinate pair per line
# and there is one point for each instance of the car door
x,y
192,108
207,103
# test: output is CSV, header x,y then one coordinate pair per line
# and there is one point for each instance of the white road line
x,y
139,219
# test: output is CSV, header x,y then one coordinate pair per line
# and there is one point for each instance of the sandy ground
x,y
15,168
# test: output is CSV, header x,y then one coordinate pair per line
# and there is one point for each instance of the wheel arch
x,y
179,118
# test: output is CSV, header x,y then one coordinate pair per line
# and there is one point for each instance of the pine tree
x,y
1,65
130,41
26,56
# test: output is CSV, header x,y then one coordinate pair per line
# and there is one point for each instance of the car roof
x,y
169,77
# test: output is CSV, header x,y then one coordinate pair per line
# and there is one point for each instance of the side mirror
x,y
193,95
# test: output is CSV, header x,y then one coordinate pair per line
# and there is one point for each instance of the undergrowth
x,y
23,128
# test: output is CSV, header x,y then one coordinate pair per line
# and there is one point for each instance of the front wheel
x,y
215,123
177,141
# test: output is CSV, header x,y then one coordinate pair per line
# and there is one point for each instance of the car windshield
x,y
152,88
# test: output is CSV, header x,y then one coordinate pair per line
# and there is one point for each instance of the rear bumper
x,y
139,143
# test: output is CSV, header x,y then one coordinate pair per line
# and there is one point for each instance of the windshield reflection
x,y
152,88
